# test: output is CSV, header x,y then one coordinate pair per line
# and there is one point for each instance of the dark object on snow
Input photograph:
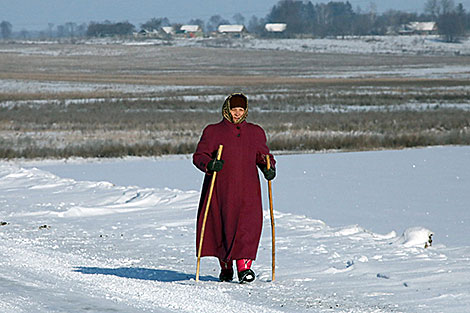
x,y
3,223
44,226
429,243
226,275
246,276
385,276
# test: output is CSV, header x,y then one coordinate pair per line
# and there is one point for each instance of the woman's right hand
x,y
215,165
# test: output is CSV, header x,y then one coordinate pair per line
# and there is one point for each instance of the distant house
x,y
191,30
168,30
275,27
145,33
419,28
232,30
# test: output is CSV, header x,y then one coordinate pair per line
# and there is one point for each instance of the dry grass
x,y
297,111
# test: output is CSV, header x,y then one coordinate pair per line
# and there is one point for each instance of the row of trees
x,y
339,18
302,17
452,20
109,29
67,30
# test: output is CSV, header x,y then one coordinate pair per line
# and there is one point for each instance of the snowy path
x,y
80,246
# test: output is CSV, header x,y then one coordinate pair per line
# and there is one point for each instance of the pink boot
x,y
244,264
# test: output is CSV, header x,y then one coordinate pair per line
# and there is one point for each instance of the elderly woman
x,y
235,218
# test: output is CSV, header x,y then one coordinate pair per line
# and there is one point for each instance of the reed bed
x,y
61,105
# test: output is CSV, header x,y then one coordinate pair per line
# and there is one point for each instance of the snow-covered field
x,y
362,45
118,236
423,45
416,44
408,45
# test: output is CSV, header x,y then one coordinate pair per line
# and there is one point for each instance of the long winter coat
x,y
235,217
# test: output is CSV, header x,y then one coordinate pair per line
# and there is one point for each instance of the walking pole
x,y
214,175
270,192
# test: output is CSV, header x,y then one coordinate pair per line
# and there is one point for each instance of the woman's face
x,y
237,113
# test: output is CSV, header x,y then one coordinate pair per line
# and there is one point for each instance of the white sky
x,y
36,14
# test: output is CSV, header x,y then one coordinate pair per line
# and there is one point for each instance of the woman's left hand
x,y
269,174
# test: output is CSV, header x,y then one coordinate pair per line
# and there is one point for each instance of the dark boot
x,y
226,272
246,276
226,275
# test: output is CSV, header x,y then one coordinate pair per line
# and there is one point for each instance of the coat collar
x,y
232,125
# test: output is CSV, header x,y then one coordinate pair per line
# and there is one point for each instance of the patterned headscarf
x,y
226,107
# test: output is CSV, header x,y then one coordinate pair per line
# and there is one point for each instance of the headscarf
x,y
235,100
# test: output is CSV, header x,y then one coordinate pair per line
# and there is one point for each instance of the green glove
x,y
215,165
269,174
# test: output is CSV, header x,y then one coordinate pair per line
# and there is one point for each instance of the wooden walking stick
x,y
208,203
270,192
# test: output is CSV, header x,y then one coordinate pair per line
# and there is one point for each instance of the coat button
x,y
238,127
238,135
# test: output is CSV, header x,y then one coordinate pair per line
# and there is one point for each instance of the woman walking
x,y
235,218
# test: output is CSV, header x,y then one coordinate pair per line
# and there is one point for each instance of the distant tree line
x,y
339,18
108,29
452,21
303,18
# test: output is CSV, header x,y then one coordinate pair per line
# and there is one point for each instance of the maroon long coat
x,y
235,217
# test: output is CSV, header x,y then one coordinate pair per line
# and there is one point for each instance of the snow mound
x,y
56,196
350,230
416,237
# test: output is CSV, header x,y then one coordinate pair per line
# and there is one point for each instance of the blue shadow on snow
x,y
143,273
